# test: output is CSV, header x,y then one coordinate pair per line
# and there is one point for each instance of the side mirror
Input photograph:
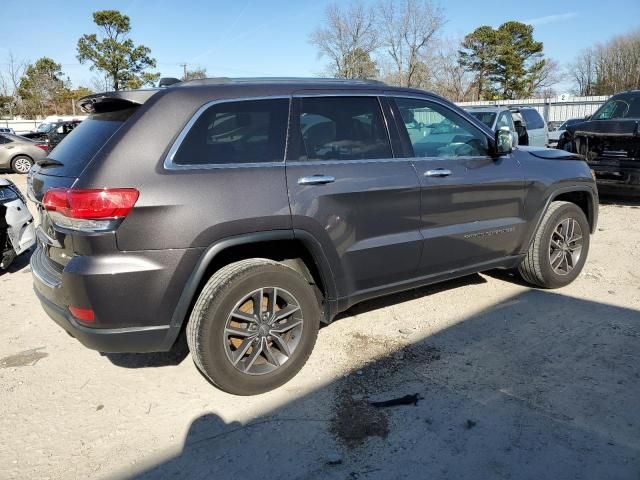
x,y
503,142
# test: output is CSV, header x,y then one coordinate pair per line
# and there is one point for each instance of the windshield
x,y
45,127
485,117
623,106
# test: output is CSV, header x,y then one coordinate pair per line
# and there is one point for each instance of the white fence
x,y
21,126
555,109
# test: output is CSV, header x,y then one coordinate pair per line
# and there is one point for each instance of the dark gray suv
x,y
246,212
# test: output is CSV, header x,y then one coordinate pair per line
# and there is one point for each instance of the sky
x,y
270,38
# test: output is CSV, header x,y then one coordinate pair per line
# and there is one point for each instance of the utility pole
x,y
184,68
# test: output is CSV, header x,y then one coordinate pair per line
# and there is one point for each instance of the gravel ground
x,y
504,381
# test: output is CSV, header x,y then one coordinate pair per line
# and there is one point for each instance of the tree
x,y
408,29
9,83
507,61
477,54
348,40
451,78
194,74
115,54
41,87
518,62
608,68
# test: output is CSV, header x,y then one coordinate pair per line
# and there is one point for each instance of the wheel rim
x,y
263,330
22,165
565,248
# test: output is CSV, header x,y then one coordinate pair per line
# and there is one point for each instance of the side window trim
x,y
169,163
403,130
294,141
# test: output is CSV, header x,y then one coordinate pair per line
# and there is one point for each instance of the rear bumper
x,y
133,296
108,340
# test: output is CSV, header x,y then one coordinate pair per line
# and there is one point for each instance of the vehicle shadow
x,y
540,385
175,356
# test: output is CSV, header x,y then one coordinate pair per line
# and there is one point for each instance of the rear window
x,y
80,146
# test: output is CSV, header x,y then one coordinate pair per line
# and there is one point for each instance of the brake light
x,y
43,146
89,210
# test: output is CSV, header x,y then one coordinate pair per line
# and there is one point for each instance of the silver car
x,y
18,153
496,118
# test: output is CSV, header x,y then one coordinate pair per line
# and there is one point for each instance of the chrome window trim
x,y
169,163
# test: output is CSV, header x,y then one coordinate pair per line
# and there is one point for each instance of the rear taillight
x,y
43,146
89,210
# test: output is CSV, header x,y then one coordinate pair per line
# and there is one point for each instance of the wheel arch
x,y
297,249
581,195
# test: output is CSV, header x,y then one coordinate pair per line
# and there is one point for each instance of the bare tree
x,y
608,68
10,81
549,75
450,78
101,83
408,29
348,39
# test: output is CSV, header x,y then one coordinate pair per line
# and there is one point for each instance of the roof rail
x,y
227,80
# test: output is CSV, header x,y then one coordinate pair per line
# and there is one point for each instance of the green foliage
x,y
507,61
6,105
115,54
42,87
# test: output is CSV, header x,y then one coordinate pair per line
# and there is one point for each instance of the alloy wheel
x,y
565,247
263,330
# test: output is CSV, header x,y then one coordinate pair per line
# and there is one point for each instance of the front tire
x,y
559,249
21,164
253,326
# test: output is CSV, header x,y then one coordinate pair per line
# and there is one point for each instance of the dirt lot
x,y
511,382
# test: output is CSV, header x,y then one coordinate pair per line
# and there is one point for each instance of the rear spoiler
x,y
113,101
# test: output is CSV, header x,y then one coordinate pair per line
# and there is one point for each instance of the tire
x,y
214,349
21,164
540,267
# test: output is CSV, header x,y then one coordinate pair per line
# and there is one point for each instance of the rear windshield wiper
x,y
49,162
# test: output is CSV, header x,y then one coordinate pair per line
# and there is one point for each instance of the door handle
x,y
438,172
316,180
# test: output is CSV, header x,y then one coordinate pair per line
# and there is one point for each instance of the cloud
x,y
561,17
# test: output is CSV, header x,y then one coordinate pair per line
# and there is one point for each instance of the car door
x,y
536,128
472,205
348,191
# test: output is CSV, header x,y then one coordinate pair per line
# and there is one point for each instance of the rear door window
x,y
340,128
81,145
248,131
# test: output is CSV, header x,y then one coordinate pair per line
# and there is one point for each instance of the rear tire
x,y
239,343
559,248
21,164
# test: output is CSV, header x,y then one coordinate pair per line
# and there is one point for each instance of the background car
x,y
496,118
52,133
17,231
18,153
554,135
7,130
535,131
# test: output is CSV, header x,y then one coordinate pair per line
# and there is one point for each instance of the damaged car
x,y
610,142
17,231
